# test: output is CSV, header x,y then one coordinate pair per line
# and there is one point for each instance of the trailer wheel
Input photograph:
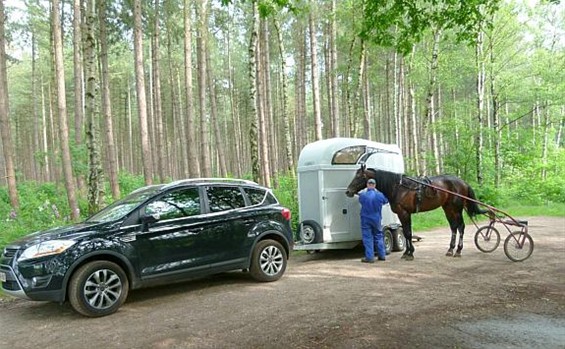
x,y
399,240
310,232
389,242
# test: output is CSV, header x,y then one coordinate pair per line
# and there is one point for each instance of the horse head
x,y
359,182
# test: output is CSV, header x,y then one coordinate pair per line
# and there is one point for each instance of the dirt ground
x,y
332,300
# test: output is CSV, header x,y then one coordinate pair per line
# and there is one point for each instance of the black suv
x,y
156,235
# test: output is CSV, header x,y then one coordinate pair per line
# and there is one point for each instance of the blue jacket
x,y
372,202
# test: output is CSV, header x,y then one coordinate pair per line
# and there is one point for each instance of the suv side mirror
x,y
148,219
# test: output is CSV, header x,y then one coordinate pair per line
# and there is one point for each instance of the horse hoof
x,y
457,255
403,256
449,254
409,258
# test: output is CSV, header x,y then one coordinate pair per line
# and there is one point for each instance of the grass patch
x,y
436,218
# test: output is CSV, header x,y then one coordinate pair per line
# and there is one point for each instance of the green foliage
x,y
401,24
287,193
129,182
41,206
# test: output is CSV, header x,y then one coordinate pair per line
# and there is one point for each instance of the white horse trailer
x,y
328,218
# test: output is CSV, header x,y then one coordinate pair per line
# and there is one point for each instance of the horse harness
x,y
420,188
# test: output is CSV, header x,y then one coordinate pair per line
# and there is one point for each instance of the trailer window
x,y
349,155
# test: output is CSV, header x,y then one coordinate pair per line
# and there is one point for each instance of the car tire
x,y
98,288
268,261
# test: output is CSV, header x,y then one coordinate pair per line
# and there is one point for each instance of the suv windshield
x,y
124,206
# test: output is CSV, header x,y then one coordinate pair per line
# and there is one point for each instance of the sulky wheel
x,y
487,239
518,246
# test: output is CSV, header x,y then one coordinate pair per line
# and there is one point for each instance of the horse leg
x,y
406,222
453,224
461,229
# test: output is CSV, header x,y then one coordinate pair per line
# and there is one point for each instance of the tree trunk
x,y
62,104
253,115
545,128
106,104
192,148
237,137
141,97
285,110
36,120
315,74
480,106
433,109
495,120
300,131
269,137
333,73
78,79
95,187
219,146
160,139
206,165
5,128
262,112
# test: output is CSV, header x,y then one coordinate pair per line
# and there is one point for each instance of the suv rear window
x,y
224,198
260,196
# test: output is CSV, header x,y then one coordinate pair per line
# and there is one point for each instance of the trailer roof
x,y
322,152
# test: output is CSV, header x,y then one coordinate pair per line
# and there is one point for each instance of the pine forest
x,y
98,97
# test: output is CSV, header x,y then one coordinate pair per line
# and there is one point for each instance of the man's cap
x,y
371,181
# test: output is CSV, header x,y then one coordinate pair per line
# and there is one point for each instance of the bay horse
x,y
408,196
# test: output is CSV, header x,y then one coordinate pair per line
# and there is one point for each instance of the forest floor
x,y
332,300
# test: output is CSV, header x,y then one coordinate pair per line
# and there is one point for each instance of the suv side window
x,y
176,204
224,198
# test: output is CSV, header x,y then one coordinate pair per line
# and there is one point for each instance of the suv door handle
x,y
196,230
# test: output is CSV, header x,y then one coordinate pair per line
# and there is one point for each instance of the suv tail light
x,y
286,213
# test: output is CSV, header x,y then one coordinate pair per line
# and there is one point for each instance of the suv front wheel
x,y
98,288
268,261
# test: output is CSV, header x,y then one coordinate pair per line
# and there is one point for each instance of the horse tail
x,y
473,208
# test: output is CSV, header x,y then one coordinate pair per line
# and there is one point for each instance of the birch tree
x,y
253,115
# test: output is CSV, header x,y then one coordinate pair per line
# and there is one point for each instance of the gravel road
x,y
332,300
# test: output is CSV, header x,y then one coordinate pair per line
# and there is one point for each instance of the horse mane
x,y
387,182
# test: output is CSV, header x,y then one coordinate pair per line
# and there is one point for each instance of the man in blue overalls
x,y
372,202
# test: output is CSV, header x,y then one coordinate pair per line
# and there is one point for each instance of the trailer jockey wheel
x,y
310,232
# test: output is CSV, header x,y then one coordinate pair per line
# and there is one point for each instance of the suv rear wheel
x,y
268,261
98,288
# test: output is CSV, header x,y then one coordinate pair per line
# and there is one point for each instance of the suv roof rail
x,y
227,180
